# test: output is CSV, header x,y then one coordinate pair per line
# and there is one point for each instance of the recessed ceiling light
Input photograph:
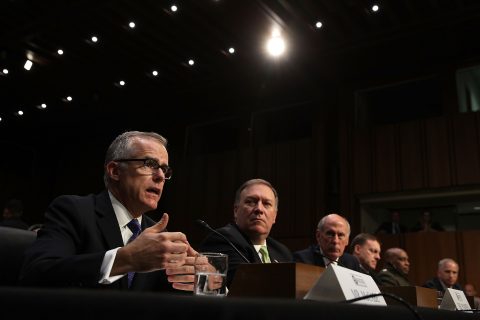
x,y
94,39
191,62
276,45
5,71
231,50
19,113
154,73
318,25
174,8
42,106
28,65
375,8
131,24
60,52
122,83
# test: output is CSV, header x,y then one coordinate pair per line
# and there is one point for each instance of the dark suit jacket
x,y
70,247
434,283
387,227
312,255
391,277
214,243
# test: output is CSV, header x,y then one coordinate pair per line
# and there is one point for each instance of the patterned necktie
x,y
264,252
134,226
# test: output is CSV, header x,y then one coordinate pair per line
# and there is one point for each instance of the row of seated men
x,y
107,241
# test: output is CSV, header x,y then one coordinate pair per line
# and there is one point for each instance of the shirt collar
x,y
122,214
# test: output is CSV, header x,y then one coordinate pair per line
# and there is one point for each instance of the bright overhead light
x,y
231,50
60,52
131,24
69,98
42,106
5,71
28,65
94,39
0,119
318,25
375,8
122,83
191,62
154,73
276,46
174,8
19,113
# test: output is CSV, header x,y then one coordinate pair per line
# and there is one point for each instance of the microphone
x,y
206,226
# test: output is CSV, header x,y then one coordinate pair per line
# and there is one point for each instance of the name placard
x,y
455,300
340,284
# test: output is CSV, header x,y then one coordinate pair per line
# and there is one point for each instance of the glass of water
x,y
211,274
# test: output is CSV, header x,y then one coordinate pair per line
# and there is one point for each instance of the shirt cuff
x,y
106,267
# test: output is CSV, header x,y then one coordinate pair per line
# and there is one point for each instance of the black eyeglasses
x,y
152,166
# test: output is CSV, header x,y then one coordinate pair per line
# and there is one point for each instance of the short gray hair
x,y
121,147
443,262
322,222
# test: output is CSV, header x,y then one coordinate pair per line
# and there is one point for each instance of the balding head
x,y
332,235
398,258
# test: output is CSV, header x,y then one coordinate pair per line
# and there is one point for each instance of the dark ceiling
x,y
353,39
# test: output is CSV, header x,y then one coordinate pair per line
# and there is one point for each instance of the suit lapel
x,y
107,221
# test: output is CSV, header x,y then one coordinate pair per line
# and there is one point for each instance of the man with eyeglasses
x,y
332,235
106,240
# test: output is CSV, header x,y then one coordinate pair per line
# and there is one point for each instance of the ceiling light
x,y
19,113
154,73
191,62
42,106
375,8
122,83
60,52
69,98
28,65
94,39
0,119
231,50
131,24
174,8
318,25
276,45
5,71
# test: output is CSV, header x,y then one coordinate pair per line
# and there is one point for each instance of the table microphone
x,y
206,226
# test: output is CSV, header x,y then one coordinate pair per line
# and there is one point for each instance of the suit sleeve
x,y
56,258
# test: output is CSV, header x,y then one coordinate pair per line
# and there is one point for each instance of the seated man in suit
x,y
397,267
95,241
366,248
393,226
254,212
447,276
332,234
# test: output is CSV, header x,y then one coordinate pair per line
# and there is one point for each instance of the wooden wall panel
x,y
362,162
303,213
285,171
470,267
466,149
385,159
266,163
438,153
412,173
425,249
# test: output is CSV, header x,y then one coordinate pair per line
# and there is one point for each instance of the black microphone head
x,y
202,223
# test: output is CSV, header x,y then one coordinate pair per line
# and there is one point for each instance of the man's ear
x,y
113,170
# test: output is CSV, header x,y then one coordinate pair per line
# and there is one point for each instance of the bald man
x,y
447,276
396,269
332,235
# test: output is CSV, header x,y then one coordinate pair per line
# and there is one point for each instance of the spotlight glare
x,y
94,39
122,83
155,73
28,65
318,25
231,50
375,8
69,98
131,24
20,112
174,8
191,62
5,71
276,46
60,52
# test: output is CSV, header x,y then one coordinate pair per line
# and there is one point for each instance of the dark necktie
x,y
134,226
